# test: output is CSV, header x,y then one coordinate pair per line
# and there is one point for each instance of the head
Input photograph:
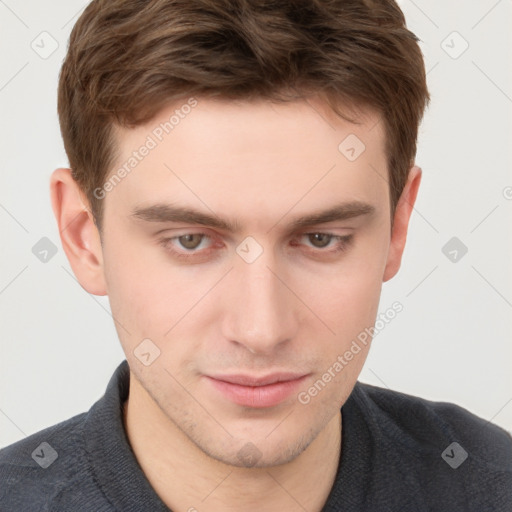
x,y
241,181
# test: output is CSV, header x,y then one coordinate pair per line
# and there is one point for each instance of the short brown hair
x,y
127,59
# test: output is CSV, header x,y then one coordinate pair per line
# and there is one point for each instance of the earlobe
x,y
78,232
401,223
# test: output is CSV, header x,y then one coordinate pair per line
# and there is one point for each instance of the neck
x,y
185,478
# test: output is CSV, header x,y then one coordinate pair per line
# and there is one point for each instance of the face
x,y
248,251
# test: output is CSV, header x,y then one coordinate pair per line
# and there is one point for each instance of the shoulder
x,y
41,467
414,421
438,451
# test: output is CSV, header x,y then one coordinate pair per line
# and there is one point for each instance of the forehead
x,y
234,156
309,126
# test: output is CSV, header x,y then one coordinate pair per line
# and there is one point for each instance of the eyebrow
x,y
171,213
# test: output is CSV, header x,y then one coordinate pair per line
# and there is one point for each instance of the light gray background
x,y
452,341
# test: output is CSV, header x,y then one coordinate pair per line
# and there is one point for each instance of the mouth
x,y
257,392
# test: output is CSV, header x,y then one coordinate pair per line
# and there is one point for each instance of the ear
x,y
78,233
401,223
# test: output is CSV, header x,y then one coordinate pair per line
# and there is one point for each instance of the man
x,y
240,186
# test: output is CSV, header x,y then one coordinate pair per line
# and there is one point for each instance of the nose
x,y
259,313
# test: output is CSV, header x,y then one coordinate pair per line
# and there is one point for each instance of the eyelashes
x,y
174,245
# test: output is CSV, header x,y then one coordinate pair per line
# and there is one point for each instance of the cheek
x,y
151,297
349,313
137,286
348,300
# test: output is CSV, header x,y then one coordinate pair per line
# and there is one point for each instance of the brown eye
x,y
319,240
191,241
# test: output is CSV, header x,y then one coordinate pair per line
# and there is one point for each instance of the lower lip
x,y
257,396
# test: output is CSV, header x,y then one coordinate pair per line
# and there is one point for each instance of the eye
x,y
187,245
190,241
322,241
190,245
319,240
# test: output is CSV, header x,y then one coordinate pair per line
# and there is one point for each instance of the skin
x,y
295,308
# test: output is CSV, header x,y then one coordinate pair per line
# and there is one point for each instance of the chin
x,y
260,453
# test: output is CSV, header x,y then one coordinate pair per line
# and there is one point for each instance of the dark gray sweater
x,y
399,453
